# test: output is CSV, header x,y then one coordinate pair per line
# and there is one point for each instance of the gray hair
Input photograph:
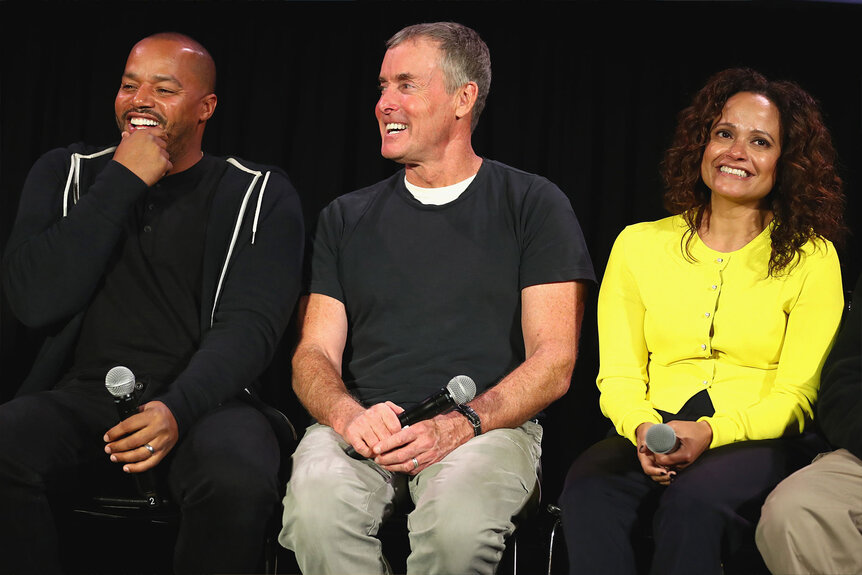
x,y
464,57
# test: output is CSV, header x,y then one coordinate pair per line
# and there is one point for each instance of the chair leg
x,y
515,553
555,513
270,558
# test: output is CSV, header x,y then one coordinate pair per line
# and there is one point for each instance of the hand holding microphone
x,y
674,447
458,391
120,383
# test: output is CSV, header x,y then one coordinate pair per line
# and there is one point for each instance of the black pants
x,y
707,516
223,474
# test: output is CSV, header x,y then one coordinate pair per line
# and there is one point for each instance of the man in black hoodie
x,y
181,266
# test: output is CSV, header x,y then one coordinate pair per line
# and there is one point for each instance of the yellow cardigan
x,y
670,327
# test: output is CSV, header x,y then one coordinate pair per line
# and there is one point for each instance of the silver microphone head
x,y
462,388
660,438
120,381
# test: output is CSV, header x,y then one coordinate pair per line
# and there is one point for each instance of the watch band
x,y
472,417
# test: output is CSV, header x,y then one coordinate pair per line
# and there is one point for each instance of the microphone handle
x,y
352,453
127,406
435,405
145,481
146,484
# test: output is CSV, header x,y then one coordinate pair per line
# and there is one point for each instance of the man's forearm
x,y
319,387
542,379
551,321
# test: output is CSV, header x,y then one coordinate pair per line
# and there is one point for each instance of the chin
x,y
390,154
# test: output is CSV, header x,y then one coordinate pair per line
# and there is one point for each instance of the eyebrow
x,y
400,77
155,78
732,125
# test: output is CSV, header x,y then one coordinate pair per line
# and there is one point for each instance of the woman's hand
x,y
655,471
694,437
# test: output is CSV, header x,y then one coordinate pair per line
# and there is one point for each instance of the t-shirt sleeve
x,y
324,254
553,245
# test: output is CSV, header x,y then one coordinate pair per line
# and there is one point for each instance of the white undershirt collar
x,y
438,196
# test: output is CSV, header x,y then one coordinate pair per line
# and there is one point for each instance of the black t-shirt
x,y
146,313
432,292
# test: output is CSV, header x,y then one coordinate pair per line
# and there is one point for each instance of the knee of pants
x,y
580,491
781,512
469,532
589,497
16,476
690,506
238,489
322,503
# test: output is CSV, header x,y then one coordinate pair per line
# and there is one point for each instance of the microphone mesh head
x,y
120,381
462,388
660,438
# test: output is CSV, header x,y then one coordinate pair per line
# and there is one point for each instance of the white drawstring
x,y
238,225
75,173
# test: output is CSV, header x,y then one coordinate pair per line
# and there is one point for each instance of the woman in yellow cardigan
x,y
716,322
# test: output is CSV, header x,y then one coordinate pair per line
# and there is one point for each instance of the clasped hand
x,y
376,433
694,438
153,425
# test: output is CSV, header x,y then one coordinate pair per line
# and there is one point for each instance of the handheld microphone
x,y
661,438
120,383
458,391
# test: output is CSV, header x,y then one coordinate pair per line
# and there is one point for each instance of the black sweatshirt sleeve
x,y
839,410
53,264
254,306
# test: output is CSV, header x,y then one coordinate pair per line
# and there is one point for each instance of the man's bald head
x,y
202,63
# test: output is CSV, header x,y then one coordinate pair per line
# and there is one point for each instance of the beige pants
x,y
464,504
812,521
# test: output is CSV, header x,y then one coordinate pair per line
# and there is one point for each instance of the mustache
x,y
148,111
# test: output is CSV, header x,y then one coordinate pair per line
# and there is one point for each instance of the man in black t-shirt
x,y
456,265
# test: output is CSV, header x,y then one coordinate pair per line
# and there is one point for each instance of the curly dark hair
x,y
807,200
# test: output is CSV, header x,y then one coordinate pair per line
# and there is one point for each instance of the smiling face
x,y
167,88
740,159
415,114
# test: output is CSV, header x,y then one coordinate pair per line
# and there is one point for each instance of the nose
x,y
737,149
386,103
143,97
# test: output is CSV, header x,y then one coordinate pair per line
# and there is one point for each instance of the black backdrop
x,y
584,93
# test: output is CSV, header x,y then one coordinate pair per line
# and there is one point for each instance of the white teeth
x,y
143,122
393,127
733,171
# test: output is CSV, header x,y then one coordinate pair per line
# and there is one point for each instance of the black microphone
x,y
458,391
120,383
661,438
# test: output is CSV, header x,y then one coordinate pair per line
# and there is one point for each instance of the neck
x,y
443,173
729,229
186,161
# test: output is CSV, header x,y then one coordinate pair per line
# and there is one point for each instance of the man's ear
x,y
208,106
467,95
